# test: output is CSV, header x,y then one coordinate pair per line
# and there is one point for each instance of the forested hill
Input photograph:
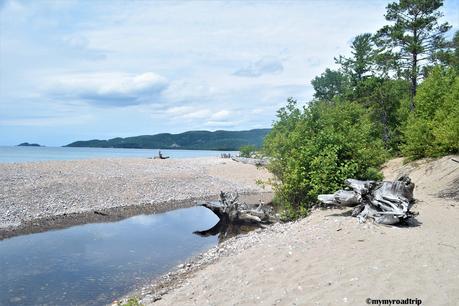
x,y
193,140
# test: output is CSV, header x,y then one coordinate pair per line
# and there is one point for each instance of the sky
x,y
79,70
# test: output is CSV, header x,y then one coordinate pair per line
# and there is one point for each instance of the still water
x,y
94,264
28,154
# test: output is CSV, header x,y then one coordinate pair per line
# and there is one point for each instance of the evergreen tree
x,y
450,56
414,37
360,64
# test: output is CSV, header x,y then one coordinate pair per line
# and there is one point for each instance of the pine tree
x,y
414,37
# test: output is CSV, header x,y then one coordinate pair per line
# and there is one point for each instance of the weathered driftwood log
x,y
230,210
385,202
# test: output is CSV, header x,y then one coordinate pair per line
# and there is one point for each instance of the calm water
x,y
27,154
94,264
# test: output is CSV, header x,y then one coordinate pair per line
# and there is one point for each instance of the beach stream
x,y
94,264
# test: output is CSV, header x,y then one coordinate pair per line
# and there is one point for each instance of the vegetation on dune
x,y
432,129
398,93
323,145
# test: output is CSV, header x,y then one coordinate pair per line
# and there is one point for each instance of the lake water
x,y
28,154
94,264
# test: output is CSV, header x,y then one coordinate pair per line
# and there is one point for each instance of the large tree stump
x,y
385,202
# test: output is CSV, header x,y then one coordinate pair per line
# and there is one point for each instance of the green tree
x,y
433,128
450,56
383,98
329,85
455,53
323,145
278,142
247,151
414,37
360,63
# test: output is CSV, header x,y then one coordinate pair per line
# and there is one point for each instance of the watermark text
x,y
407,301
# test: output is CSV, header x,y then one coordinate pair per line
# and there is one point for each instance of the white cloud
x,y
179,65
265,65
78,46
221,124
109,89
222,114
46,121
186,90
196,112
186,112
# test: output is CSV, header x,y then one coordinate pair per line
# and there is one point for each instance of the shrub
x,y
315,149
247,151
132,302
433,128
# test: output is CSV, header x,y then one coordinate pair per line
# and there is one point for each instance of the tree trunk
x,y
414,72
414,83
385,123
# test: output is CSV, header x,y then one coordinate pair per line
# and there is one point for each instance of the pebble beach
x,y
37,196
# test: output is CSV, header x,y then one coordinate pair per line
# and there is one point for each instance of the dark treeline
x,y
397,94
191,140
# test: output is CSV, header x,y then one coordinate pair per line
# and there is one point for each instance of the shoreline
x,y
154,289
112,214
45,195
329,258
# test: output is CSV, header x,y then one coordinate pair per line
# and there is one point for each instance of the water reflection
x,y
94,264
226,231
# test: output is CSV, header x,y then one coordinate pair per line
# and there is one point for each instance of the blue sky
x,y
75,70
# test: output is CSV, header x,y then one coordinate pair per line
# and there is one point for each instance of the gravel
x,y
44,192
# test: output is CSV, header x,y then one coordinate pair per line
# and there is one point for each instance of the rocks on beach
x,y
52,189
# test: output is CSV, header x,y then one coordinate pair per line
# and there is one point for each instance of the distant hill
x,y
192,140
26,144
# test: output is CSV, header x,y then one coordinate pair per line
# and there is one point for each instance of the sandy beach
x,y
329,258
38,196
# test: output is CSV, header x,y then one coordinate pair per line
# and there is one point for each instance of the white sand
x,y
329,259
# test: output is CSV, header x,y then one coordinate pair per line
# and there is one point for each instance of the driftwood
x,y
230,210
385,202
161,156
225,155
251,161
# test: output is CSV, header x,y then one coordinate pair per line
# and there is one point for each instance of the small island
x,y
26,144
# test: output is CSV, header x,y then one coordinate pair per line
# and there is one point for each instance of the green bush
x,y
247,151
433,128
133,302
315,149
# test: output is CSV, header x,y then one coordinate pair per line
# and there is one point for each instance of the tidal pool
x,y
94,264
